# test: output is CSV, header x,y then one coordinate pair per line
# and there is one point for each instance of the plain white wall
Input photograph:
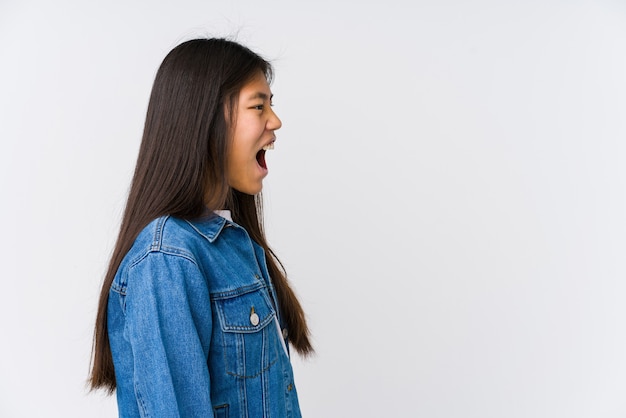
x,y
448,194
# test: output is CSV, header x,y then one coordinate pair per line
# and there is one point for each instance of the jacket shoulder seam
x,y
166,250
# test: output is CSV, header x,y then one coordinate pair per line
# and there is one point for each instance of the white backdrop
x,y
448,194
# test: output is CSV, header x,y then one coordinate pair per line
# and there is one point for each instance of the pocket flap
x,y
249,312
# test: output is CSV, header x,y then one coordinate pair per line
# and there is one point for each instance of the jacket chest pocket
x,y
246,321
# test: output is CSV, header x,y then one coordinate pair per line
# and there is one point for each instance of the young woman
x,y
196,315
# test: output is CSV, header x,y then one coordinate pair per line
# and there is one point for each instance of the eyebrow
x,y
260,95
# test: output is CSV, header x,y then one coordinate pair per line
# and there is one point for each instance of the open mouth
x,y
260,158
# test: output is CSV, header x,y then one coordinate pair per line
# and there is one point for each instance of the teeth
x,y
269,146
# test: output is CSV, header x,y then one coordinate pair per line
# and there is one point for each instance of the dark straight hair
x,y
181,170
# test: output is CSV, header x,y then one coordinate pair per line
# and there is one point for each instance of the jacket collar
x,y
209,226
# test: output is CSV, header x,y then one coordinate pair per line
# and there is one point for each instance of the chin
x,y
251,190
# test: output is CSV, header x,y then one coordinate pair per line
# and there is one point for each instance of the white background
x,y
447,193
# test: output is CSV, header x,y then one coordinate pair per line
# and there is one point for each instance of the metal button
x,y
254,318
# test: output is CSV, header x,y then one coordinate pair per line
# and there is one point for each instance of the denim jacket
x,y
194,326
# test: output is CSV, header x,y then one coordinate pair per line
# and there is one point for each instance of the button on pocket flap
x,y
249,312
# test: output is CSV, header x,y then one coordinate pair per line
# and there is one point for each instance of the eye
x,y
261,106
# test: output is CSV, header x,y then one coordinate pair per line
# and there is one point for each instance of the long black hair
x,y
181,170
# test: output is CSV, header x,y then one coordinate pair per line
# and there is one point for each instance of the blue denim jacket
x,y
194,326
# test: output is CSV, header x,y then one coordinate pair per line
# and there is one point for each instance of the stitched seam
x,y
240,328
253,375
239,291
143,407
158,233
247,330
119,289
163,250
174,251
264,392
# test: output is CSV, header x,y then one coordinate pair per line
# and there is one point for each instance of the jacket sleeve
x,y
168,325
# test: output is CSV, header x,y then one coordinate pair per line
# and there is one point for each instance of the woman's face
x,y
253,134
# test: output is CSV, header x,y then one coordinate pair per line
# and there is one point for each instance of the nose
x,y
273,123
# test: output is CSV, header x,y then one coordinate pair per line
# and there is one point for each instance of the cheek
x,y
238,159
249,130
